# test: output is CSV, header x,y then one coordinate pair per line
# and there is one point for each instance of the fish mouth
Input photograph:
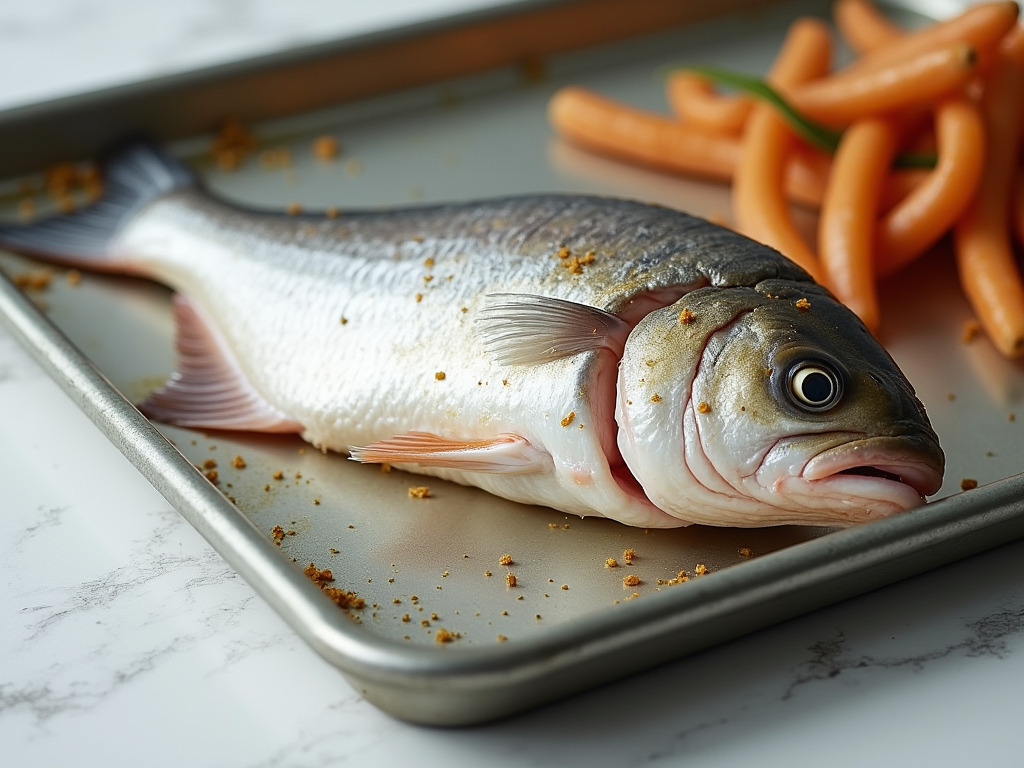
x,y
882,463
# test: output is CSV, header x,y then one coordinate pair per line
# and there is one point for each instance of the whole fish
x,y
599,356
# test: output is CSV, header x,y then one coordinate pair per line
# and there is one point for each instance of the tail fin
x,y
133,176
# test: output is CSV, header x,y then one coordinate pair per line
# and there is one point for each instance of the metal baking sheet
x,y
423,565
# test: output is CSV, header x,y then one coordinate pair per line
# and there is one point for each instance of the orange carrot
x,y
759,204
847,224
981,27
930,210
985,260
694,100
612,128
863,26
853,94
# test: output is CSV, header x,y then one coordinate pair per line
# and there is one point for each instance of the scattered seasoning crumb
x,y
396,601
444,575
419,297
629,555
487,573
553,526
504,613
568,419
502,638
277,532
266,487
575,264
656,398
210,464
73,277
746,552
519,598
405,617
440,376
510,579
213,476
425,623
537,617
611,562
316,502
343,320
325,147
951,397
686,317
334,551
631,581
1011,417
419,492
444,636
332,212
385,468
434,616
391,580
803,305
700,569
291,532
566,526
703,407
968,484
971,331
565,586
293,209
351,527
34,281
342,598
238,462
505,559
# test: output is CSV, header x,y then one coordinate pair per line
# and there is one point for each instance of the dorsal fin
x,y
523,329
505,454
209,389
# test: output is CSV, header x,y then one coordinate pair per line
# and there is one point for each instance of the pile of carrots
x,y
954,90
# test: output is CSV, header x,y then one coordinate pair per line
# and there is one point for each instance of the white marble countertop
x,y
126,639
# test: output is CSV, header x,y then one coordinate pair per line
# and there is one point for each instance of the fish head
x,y
770,405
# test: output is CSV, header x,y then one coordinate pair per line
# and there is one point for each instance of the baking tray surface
x,y
433,567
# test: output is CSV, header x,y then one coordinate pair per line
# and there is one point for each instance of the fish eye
x,y
815,386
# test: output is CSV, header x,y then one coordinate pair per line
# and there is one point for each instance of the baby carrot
x,y
981,27
759,204
694,100
856,93
847,224
863,26
930,210
985,260
607,126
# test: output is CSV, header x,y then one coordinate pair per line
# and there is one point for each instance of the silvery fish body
x,y
599,356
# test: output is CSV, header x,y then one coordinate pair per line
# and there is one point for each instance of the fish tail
x,y
133,175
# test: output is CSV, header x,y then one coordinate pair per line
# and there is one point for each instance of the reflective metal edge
x,y
442,686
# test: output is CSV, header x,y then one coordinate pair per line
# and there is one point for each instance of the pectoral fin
x,y
209,389
522,329
506,454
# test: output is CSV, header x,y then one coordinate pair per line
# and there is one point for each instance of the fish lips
x,y
908,460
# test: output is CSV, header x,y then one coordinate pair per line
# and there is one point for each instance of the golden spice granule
x,y
502,638
396,601
703,407
968,484
385,468
444,636
427,262
566,526
318,577
440,376
553,526
334,551
266,487
487,573
700,569
504,613
568,419
278,475
575,264
238,462
505,559
746,552
291,532
332,213
213,476
277,532
631,581
419,492
405,617
434,616
444,575
563,253
1011,417
611,562
343,320
425,623
629,555
565,586
971,331
294,208
325,147
686,317
419,297
803,305
427,278
34,281
316,502
655,398
210,464
510,579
